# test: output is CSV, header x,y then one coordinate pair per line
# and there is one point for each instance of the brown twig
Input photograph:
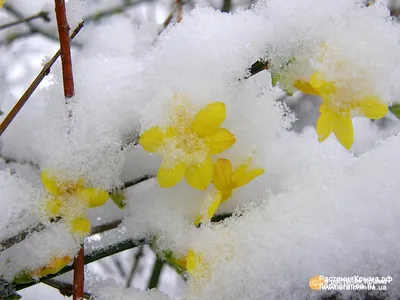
x,y
68,83
66,61
45,71
79,275
178,10
44,15
105,227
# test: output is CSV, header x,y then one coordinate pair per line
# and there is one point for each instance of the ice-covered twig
x,y
44,15
64,288
7,243
105,227
45,71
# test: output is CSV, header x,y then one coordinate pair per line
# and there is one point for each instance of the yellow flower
x,y
187,145
336,112
71,199
225,181
2,3
193,263
55,265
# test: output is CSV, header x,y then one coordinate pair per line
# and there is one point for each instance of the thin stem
x,y
42,74
33,29
226,6
44,15
65,289
105,227
135,265
66,61
178,10
155,275
79,275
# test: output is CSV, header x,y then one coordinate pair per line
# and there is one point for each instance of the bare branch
x,y
45,71
44,15
32,28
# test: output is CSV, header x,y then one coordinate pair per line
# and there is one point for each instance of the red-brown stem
x,y
178,10
79,278
63,33
68,81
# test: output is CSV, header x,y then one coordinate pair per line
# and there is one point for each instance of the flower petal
x,y
210,210
343,130
55,265
324,88
199,176
247,177
219,141
80,226
52,206
94,197
222,177
193,261
305,87
170,176
50,183
372,108
209,118
152,139
325,125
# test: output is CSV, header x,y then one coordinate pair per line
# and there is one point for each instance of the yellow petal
x,y
226,194
53,207
343,130
94,197
325,125
222,177
55,265
210,210
324,88
152,139
2,3
305,87
372,108
181,261
80,226
193,260
199,176
247,177
170,176
219,140
50,183
209,118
